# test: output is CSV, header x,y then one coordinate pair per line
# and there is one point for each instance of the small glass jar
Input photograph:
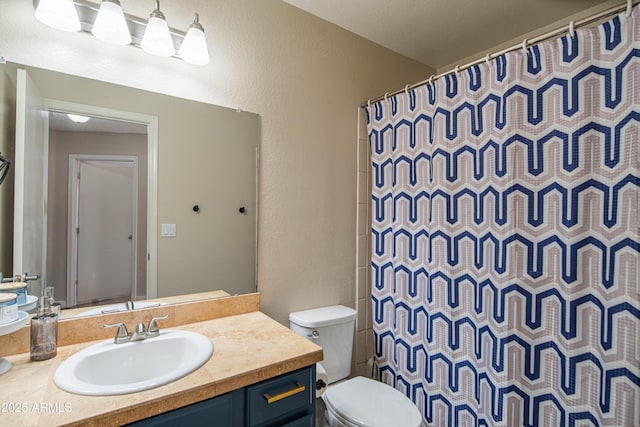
x,y
18,288
8,307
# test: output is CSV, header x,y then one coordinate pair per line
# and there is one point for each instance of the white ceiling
x,y
441,32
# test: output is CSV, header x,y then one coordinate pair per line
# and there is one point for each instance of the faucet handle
x,y
122,331
153,325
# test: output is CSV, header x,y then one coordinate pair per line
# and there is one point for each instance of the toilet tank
x,y
332,329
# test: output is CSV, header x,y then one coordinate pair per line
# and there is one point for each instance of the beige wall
x,y
61,145
532,34
7,142
303,76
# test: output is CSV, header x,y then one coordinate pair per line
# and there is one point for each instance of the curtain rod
x,y
525,43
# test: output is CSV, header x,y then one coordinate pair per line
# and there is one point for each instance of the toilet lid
x,y
365,402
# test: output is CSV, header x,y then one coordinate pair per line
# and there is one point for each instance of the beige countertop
x,y
248,348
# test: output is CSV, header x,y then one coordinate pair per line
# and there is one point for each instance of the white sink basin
x,y
106,368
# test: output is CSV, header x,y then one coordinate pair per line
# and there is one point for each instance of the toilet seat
x,y
363,402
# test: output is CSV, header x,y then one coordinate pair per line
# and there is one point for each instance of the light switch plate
x,y
168,230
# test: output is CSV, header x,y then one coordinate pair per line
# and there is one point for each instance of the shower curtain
x,y
505,241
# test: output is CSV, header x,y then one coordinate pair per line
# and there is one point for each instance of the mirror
x,y
195,222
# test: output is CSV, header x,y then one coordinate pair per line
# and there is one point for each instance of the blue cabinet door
x,y
222,411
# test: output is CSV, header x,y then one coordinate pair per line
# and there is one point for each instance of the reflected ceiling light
x,y
78,119
110,25
194,48
156,39
59,14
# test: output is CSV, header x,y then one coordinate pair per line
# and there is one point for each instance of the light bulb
x,y
194,48
58,14
110,25
156,39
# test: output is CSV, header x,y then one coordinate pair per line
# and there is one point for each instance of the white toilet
x,y
359,401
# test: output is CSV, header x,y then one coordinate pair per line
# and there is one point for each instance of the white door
x,y
29,242
105,230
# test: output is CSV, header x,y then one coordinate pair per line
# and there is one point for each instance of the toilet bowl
x,y
363,402
358,401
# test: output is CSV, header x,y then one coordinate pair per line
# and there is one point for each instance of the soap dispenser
x,y
44,332
55,306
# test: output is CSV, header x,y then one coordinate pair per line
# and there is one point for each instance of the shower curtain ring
x,y
487,60
524,46
406,90
572,31
386,96
369,104
431,79
457,69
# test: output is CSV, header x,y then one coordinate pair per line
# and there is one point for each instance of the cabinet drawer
x,y
306,421
289,393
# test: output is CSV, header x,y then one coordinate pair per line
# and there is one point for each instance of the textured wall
x,y
305,78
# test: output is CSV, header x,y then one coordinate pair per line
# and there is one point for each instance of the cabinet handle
x,y
274,398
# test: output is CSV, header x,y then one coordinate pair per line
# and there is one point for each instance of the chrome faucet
x,y
19,278
141,333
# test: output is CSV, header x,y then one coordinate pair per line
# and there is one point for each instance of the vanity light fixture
x,y
156,39
110,25
194,46
77,118
59,14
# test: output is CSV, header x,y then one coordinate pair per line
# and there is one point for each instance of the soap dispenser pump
x,y
44,332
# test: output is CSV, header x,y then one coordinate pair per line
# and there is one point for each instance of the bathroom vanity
x,y
260,374
284,401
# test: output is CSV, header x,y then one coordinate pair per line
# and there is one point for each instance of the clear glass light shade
x,y
110,25
156,39
58,14
194,48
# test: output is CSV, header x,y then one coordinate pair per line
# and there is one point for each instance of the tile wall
x,y
364,333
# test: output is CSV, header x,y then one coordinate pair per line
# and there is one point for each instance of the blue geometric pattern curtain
x,y
505,236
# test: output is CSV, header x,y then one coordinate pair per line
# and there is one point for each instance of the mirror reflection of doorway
x,y
94,266
43,142
102,228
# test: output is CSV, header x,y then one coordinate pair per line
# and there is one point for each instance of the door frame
x,y
73,218
23,80
152,172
